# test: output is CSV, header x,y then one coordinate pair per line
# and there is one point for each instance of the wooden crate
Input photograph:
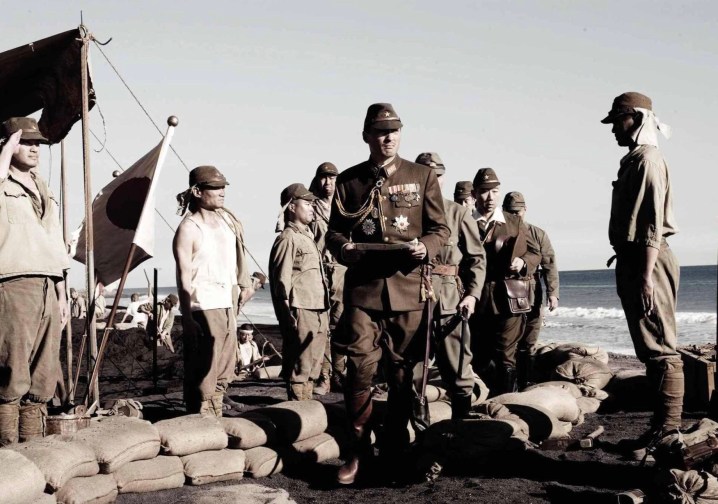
x,y
699,372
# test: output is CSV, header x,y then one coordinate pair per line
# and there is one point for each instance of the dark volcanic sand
x,y
534,476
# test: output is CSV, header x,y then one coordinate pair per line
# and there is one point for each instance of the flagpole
x,y
68,326
94,376
89,229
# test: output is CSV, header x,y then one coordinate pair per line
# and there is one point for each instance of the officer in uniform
x,y
647,272
510,255
515,203
394,205
323,186
463,194
458,274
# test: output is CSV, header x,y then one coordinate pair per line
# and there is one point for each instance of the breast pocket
x,y
305,260
18,205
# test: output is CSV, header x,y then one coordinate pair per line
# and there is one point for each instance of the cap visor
x,y
34,135
387,125
487,185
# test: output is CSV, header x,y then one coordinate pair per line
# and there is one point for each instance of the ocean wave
x,y
617,313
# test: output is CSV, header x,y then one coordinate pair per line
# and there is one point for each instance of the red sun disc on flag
x,y
124,206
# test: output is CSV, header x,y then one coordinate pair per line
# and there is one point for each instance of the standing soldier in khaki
x,y
511,259
387,222
212,281
33,304
458,276
515,203
323,186
299,294
647,272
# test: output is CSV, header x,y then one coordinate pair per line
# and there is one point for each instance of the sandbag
x,y
541,422
117,440
691,487
559,401
159,473
565,385
212,466
297,420
44,499
190,434
318,448
481,391
630,390
588,404
98,489
249,430
262,461
268,372
20,480
438,411
59,458
496,411
589,372
436,391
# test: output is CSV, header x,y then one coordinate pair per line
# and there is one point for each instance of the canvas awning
x,y
45,75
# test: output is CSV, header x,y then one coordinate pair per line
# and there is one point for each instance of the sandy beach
x,y
532,476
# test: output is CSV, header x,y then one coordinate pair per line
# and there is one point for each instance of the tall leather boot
x,y
31,421
9,423
524,365
460,407
669,404
359,407
507,380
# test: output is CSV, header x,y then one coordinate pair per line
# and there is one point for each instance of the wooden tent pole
x,y
66,237
89,229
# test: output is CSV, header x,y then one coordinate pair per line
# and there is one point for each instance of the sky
x,y
267,91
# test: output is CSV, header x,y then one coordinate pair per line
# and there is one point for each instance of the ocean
x,y
589,310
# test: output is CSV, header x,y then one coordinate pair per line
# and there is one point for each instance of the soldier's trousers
x,y
453,358
210,360
532,328
30,333
495,338
398,337
303,348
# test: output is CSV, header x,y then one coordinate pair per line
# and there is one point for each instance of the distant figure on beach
x,y
647,272
212,282
100,302
136,312
259,280
458,276
248,356
515,203
33,259
395,207
463,195
78,305
511,257
165,320
334,364
299,294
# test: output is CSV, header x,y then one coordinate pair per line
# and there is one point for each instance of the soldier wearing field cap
x,y
212,282
387,222
299,294
463,194
515,203
647,272
33,259
323,186
511,259
458,276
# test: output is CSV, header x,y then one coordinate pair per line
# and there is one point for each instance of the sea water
x,y
589,309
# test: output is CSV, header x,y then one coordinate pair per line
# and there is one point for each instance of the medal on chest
x,y
400,223
368,227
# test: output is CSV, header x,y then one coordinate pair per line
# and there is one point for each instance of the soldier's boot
x,y
359,409
217,400
460,407
524,368
507,380
295,391
9,423
323,384
31,421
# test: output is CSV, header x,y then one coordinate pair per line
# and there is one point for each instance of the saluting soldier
x,y
390,203
647,272
458,274
511,259
515,203
323,186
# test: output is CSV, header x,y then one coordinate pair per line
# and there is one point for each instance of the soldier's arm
x,y
473,262
532,256
187,236
281,261
9,149
436,232
550,267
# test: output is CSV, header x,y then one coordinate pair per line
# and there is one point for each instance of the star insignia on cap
x,y
385,113
486,177
401,223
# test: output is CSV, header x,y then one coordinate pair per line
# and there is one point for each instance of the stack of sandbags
x,y
201,444
20,479
549,357
698,487
587,398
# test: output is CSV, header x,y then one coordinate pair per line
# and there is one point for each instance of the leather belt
x,y
445,270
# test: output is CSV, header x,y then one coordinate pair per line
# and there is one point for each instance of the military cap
x,y
381,116
463,190
326,169
514,201
28,125
432,160
626,103
261,277
486,179
207,176
295,192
